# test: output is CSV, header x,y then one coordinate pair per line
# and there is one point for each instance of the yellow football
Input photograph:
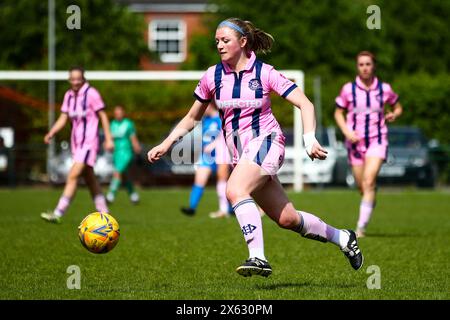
x,y
99,232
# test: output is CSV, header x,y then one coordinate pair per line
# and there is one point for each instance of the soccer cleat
x,y
134,198
219,214
188,211
352,251
51,217
254,266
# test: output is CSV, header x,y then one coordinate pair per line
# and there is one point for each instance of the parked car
x,y
60,165
409,158
176,167
331,170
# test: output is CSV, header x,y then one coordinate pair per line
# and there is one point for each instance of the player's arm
x,y
135,143
313,148
396,112
59,124
186,124
109,144
339,116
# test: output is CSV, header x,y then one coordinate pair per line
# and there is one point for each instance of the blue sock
x,y
196,195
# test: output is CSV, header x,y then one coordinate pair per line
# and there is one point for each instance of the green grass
x,y
164,255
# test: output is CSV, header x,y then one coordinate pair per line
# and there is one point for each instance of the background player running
x,y
84,106
365,129
207,164
240,86
126,144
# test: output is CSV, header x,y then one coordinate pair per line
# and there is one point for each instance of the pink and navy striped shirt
x,y
82,108
243,98
365,108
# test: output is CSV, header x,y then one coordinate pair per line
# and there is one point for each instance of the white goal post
x,y
296,75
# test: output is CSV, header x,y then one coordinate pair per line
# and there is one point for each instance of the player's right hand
x,y
318,152
108,145
47,138
156,153
353,137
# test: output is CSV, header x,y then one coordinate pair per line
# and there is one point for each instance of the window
x,y
167,37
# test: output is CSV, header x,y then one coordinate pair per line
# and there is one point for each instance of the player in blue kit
x,y
208,164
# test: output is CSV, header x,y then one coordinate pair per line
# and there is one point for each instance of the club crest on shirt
x,y
378,97
254,84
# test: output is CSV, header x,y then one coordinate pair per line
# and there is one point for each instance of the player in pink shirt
x,y
240,86
365,129
84,106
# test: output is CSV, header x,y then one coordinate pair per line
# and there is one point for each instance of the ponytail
x,y
257,39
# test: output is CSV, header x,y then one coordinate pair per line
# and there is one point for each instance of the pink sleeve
x,y
95,100
391,96
65,104
203,91
279,83
341,100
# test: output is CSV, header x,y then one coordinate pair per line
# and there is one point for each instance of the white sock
x,y
247,214
257,253
340,238
57,213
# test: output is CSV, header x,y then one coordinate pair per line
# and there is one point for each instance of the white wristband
x,y
309,139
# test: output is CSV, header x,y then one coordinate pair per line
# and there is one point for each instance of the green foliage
x,y
425,102
318,37
322,38
110,37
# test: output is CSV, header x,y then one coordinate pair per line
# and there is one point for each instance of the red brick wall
x,y
193,25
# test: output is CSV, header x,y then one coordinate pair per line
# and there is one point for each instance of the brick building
x,y
170,25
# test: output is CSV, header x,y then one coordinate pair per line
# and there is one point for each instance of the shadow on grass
x,y
390,235
305,284
283,285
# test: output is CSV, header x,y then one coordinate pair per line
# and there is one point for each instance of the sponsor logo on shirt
x,y
77,114
366,110
238,103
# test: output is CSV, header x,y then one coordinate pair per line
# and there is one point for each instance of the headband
x,y
231,25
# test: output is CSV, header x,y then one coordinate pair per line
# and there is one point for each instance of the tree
x,y
323,38
110,37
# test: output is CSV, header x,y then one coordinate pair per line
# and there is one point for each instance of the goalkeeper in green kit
x,y
126,144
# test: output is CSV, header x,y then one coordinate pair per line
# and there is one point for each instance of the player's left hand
x,y
108,145
138,149
47,138
390,117
318,152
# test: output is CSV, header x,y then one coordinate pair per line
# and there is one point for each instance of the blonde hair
x,y
257,39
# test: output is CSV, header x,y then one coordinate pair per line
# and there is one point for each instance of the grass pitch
x,y
165,255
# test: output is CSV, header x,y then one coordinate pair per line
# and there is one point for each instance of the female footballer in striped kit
x,y
365,129
84,106
240,86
